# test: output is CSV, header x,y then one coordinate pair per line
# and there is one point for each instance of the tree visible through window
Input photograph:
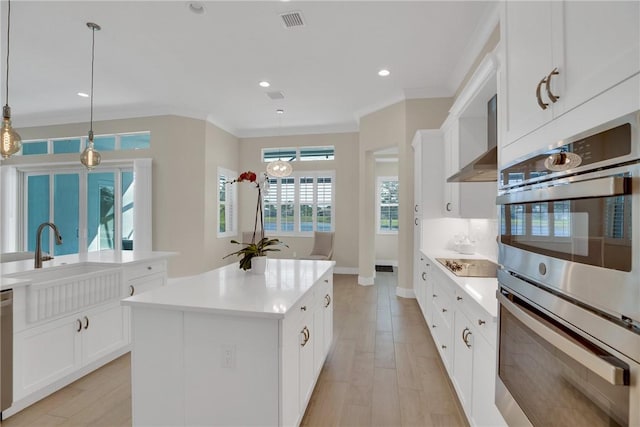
x,y
388,204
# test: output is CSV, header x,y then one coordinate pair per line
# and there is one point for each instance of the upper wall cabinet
x,y
558,55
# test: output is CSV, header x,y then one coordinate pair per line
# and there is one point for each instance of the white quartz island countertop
x,y
230,290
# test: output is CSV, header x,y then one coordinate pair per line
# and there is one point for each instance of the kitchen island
x,y
228,347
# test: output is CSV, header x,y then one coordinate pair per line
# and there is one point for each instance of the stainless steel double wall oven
x,y
569,287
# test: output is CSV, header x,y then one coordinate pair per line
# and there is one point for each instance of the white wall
x,y
346,197
185,154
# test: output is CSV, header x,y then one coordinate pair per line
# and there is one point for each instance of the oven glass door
x,y
555,376
594,230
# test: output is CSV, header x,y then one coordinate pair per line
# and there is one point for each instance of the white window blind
x,y
227,203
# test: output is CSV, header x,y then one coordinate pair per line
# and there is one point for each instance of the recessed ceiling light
x,y
82,94
279,111
264,83
196,7
383,73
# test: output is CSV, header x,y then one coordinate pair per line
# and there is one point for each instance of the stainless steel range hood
x,y
484,168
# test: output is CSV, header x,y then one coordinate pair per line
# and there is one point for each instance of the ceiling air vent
x,y
292,19
275,95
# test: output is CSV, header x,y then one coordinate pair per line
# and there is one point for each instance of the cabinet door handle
x,y
464,331
305,336
79,325
415,221
541,104
86,322
434,325
459,298
424,276
448,207
444,310
326,280
149,268
444,347
435,296
466,341
328,299
481,322
303,308
132,290
415,208
551,96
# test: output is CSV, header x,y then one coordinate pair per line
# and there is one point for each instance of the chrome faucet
x,y
38,257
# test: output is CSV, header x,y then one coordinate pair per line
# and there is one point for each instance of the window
x,y
227,203
387,202
290,154
301,203
90,209
124,141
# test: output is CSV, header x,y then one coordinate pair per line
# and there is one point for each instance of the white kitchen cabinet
x,y
451,203
463,355
592,45
51,351
103,332
45,354
465,335
234,349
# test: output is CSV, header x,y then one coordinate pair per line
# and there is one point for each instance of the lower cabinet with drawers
x,y
465,336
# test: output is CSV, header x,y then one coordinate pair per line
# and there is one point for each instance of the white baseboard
x,y
366,281
345,270
391,262
405,292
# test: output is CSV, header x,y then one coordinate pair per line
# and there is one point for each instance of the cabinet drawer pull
x,y
434,325
553,98
481,322
448,207
444,310
303,308
541,104
149,268
459,298
444,347
86,322
424,276
435,296
415,208
327,298
326,280
415,221
132,290
79,325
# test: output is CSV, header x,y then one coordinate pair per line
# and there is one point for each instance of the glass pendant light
x,y
11,141
279,168
90,157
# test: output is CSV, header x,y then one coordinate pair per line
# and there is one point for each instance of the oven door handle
x,y
601,187
614,375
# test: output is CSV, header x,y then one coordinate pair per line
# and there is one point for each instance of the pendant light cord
x,y
93,49
6,91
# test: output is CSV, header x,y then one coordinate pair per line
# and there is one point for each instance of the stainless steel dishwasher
x,y
6,349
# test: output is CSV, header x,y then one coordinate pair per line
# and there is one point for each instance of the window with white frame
x,y
387,204
227,203
300,204
93,210
111,142
304,154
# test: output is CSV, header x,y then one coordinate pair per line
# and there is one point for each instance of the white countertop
x,y
108,258
482,290
230,290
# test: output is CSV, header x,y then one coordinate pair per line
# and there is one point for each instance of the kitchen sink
x,y
59,272
469,267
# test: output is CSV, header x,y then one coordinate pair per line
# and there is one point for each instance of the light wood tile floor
x,y
383,370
